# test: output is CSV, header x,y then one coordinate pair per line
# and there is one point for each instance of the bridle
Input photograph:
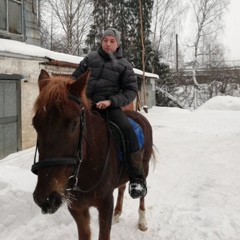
x,y
75,161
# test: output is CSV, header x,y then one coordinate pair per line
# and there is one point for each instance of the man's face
x,y
109,44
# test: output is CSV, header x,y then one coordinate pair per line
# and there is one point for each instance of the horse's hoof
x,y
143,227
115,218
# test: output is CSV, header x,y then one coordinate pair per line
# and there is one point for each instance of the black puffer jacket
x,y
112,78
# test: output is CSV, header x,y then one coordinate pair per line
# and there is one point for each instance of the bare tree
x,y
213,52
167,16
71,20
207,15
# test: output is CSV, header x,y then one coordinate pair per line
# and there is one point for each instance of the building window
x,y
3,14
11,16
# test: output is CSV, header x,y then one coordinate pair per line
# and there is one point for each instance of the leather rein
x,y
75,161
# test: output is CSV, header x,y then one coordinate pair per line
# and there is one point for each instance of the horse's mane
x,y
54,94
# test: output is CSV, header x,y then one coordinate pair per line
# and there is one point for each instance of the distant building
x,y
18,21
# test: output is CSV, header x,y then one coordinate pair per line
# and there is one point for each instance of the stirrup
x,y
137,188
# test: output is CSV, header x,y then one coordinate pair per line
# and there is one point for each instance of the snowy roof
x,y
21,48
24,49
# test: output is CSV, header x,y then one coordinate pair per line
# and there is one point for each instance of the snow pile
x,y
226,103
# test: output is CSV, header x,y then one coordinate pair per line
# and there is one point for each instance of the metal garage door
x,y
9,114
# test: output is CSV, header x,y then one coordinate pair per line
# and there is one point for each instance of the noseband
x,y
75,161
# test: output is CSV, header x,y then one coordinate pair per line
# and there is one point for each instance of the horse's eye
x,y
74,125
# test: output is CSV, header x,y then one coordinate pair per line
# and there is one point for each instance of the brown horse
x,y
78,160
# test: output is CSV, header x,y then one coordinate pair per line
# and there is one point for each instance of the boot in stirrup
x,y
137,186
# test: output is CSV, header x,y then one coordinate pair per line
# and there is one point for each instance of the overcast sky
x,y
232,31
229,37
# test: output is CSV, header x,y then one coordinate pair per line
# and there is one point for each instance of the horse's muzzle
x,y
49,205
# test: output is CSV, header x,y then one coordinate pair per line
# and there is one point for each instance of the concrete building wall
x,y
30,69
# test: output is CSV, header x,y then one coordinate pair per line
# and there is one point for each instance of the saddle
x,y
119,140
118,137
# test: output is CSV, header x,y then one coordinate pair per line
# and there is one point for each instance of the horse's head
x,y
57,121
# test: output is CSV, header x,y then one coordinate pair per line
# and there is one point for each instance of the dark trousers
x,y
117,116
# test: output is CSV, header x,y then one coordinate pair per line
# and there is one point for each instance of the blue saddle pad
x,y
138,131
119,138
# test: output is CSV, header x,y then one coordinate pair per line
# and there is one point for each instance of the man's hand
x,y
103,104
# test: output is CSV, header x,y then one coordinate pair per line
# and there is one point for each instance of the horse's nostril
x,y
55,199
46,208
52,203
46,205
49,204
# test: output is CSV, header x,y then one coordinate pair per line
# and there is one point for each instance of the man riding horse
x,y
112,85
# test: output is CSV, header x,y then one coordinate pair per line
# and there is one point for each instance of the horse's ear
x,y
43,76
78,87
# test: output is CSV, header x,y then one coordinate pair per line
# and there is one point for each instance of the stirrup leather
x,y
137,188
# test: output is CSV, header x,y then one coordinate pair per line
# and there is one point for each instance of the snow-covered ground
x,y
193,192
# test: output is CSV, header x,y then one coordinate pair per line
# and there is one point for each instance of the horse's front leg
x,y
119,204
82,219
105,209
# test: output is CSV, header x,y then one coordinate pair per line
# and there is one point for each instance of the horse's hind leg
x,y
142,222
82,219
119,204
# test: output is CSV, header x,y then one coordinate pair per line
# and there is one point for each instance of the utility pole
x,y
145,107
176,52
39,13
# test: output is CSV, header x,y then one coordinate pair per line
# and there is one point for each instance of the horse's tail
x,y
153,156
